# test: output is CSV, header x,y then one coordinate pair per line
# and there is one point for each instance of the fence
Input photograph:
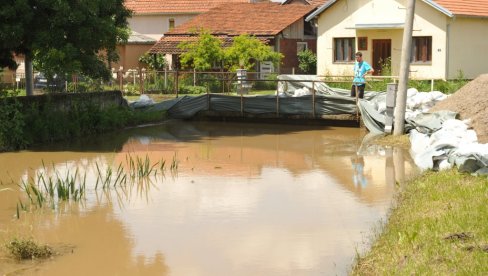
x,y
174,83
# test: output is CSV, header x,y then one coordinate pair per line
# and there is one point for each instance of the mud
x,y
470,102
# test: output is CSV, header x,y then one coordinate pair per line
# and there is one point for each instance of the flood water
x,y
241,199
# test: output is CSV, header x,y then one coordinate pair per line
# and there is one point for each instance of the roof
x,y
314,3
259,19
137,38
169,44
175,6
465,7
476,8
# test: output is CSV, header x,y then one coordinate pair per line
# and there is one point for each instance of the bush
x,y
307,62
269,84
12,124
192,89
23,249
48,123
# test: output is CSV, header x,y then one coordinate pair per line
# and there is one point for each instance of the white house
x,y
449,37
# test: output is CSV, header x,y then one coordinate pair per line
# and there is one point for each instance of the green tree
x,y
154,61
246,50
63,36
307,62
202,53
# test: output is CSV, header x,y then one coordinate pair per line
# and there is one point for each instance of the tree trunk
x,y
29,76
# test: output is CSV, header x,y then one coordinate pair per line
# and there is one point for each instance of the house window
x,y
421,49
171,24
301,46
344,49
362,43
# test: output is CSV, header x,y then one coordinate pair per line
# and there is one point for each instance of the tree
x,y
246,50
63,37
207,50
307,62
202,53
154,61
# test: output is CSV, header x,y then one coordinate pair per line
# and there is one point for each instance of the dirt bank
x,y
471,102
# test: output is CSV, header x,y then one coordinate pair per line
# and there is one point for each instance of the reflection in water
x,y
246,199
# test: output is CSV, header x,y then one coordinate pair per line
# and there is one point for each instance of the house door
x,y
381,54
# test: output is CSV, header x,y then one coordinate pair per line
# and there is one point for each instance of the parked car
x,y
42,82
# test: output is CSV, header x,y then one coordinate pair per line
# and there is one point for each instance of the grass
x,y
24,249
439,227
397,141
43,189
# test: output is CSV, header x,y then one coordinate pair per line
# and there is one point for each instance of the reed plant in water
x,y
24,249
54,188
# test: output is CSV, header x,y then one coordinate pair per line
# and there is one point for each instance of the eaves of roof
x,y
451,8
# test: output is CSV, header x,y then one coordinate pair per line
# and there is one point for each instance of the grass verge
x,y
438,227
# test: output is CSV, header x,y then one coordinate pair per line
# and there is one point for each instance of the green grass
x,y
439,227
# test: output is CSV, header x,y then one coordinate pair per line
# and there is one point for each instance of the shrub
x,y
184,89
24,249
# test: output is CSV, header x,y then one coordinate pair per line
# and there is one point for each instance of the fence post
x,y
313,99
141,81
176,83
121,75
194,77
208,98
431,85
242,105
277,104
165,78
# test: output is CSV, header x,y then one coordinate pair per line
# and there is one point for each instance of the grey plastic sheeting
x,y
187,106
434,146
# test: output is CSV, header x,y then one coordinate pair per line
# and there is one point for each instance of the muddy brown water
x,y
245,199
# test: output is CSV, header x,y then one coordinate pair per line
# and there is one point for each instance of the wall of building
x,y
288,47
155,25
339,21
470,60
129,55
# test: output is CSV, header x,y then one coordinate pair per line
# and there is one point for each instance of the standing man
x,y
361,69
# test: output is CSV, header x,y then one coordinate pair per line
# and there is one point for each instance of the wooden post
x,y
121,76
141,82
176,83
277,104
313,99
208,97
242,105
357,107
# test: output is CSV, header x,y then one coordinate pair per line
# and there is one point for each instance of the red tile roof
x,y
259,19
175,6
169,44
465,7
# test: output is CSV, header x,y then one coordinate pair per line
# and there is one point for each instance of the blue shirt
x,y
360,68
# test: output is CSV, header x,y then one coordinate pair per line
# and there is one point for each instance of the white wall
x,y
155,25
472,60
340,19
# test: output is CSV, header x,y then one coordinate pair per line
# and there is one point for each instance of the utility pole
x,y
401,99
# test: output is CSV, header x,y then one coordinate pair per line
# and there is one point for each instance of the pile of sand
x,y
470,102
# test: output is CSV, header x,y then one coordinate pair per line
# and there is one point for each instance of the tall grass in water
x,y
51,189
